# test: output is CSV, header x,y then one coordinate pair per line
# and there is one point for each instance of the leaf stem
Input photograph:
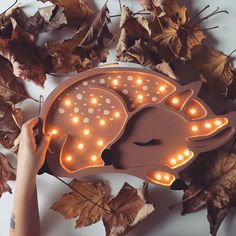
x,y
200,12
81,194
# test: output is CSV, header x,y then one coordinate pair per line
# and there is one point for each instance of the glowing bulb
x,y
162,88
93,158
166,177
115,82
207,125
117,114
173,161
193,111
158,176
175,101
100,142
54,131
180,157
139,81
86,132
218,122
80,146
69,158
140,97
67,102
186,152
94,101
102,122
194,128
75,119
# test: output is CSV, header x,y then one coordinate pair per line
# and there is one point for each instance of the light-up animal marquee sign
x,y
131,121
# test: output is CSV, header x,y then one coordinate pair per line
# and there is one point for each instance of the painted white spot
x,y
90,110
76,110
111,118
125,91
125,85
106,112
119,77
83,92
145,88
85,104
108,100
102,81
79,96
86,120
97,117
85,83
93,81
154,99
130,78
109,77
77,88
61,110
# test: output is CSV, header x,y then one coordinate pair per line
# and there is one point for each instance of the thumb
x,y
43,146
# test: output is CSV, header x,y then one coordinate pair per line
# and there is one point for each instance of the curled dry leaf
x,y
213,185
85,50
76,11
128,208
10,125
72,205
6,174
215,66
11,89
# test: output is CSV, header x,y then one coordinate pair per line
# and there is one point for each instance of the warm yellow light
x,y
117,114
186,152
67,102
193,111
173,161
69,158
180,157
175,101
86,132
115,82
166,177
139,81
75,119
100,142
162,88
54,131
80,146
158,176
140,97
218,122
94,101
194,128
208,125
102,122
93,158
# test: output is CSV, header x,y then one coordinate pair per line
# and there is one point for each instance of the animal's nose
x,y
107,156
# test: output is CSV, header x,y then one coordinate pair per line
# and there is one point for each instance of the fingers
x,y
43,146
30,123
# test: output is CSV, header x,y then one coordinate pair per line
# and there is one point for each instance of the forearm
x,y
25,215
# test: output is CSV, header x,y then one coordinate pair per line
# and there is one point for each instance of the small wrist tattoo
x,y
12,222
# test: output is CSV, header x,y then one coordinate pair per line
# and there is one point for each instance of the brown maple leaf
x,y
6,174
76,11
215,66
213,185
11,120
73,205
11,89
85,50
128,208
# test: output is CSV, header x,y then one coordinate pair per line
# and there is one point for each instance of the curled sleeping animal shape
x,y
131,121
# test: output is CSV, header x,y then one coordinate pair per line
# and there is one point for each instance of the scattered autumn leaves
x,y
91,203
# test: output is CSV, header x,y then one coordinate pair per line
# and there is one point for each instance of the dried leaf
x,y
215,66
6,174
213,185
11,89
72,205
129,207
165,68
76,11
10,124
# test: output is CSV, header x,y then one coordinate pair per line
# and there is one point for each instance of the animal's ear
x,y
195,86
207,143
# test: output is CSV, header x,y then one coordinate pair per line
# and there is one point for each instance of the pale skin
x,y
30,158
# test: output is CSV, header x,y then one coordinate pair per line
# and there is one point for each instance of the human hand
x,y
30,155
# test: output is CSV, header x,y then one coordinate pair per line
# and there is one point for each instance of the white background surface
x,y
163,222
